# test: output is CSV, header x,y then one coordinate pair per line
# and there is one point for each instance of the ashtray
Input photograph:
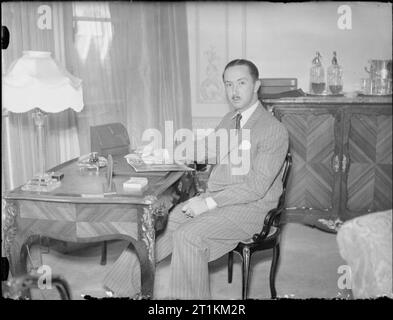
x,y
86,162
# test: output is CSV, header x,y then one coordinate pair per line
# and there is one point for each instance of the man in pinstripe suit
x,y
234,206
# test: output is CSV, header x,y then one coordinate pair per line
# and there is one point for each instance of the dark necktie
x,y
238,118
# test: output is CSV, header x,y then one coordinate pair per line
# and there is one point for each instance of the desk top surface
x,y
89,186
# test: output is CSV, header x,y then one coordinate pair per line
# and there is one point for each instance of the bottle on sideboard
x,y
317,75
335,76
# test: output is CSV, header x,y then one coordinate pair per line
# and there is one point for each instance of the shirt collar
x,y
247,113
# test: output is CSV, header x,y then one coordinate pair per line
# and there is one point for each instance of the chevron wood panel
x,y
384,140
61,230
383,187
369,183
360,185
363,138
295,195
99,229
47,210
312,146
106,213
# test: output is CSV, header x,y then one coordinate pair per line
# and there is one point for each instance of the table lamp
x,y
37,82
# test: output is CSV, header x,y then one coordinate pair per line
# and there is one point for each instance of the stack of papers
x,y
140,164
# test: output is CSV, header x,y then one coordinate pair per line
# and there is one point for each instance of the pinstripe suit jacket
x,y
245,197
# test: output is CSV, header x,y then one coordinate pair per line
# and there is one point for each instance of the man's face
x,y
240,87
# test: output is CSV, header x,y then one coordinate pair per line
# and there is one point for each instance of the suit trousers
x,y
193,242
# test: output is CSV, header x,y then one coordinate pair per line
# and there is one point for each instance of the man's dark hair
x,y
243,62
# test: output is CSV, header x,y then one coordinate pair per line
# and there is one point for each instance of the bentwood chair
x,y
268,238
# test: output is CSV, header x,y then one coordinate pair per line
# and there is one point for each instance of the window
x,y
92,28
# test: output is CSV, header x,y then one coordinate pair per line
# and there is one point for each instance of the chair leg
x,y
103,253
273,269
246,272
230,266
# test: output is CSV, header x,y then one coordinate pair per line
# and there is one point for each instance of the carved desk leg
x,y
145,247
14,240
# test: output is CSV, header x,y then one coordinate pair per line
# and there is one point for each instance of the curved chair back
x,y
285,175
273,217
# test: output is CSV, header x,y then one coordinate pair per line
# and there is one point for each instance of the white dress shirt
x,y
247,114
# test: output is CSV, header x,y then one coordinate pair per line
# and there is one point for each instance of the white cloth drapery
x,y
131,57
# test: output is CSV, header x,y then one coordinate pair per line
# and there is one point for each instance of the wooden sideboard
x,y
342,156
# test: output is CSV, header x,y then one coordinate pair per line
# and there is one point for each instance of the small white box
x,y
135,184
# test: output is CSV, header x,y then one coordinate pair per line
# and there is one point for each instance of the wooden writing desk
x,y
77,211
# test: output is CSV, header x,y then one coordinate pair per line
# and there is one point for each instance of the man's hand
x,y
195,206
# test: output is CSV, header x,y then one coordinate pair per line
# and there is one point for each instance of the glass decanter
x,y
317,76
335,76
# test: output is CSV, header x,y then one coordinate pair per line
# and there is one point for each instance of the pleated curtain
x,y
133,61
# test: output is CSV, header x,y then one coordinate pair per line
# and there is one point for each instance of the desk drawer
x,y
57,211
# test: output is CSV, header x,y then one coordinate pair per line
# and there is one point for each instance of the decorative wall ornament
x,y
211,52
211,87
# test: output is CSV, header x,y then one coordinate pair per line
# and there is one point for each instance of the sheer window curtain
x,y
18,130
132,59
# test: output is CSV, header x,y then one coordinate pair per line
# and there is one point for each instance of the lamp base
x,y
41,183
